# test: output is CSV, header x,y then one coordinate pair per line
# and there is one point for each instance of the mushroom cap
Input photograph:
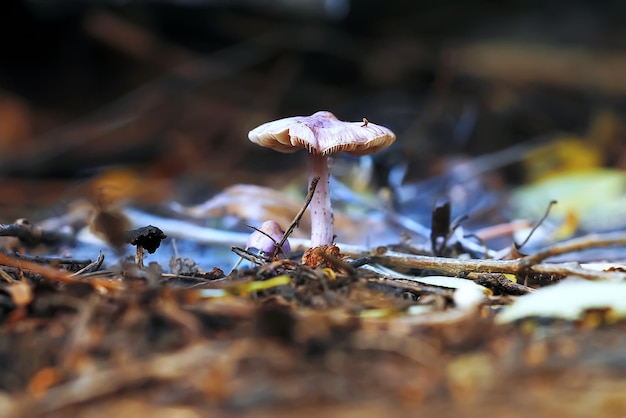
x,y
262,241
322,133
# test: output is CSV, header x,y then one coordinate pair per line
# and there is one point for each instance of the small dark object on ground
x,y
148,237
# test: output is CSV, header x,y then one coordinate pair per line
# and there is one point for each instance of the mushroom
x,y
322,134
267,237
145,238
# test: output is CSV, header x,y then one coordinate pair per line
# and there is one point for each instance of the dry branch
x,y
32,236
526,265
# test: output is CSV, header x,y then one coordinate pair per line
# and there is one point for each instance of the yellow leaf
x,y
261,284
591,199
559,156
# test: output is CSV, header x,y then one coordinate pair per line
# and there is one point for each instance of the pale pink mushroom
x,y
266,240
322,134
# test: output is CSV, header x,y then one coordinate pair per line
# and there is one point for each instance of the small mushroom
x,y
267,237
145,238
322,134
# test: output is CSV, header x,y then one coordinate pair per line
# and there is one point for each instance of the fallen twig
x,y
93,266
67,263
55,275
500,282
537,225
244,254
296,220
576,244
525,265
32,236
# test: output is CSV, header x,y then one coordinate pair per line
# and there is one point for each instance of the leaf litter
x,y
395,327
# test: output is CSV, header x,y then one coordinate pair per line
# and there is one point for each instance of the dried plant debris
x,y
413,327
23,234
279,335
408,329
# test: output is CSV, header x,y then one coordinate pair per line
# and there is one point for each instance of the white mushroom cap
x,y
264,241
322,133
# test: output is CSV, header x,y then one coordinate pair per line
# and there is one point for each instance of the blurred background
x,y
487,95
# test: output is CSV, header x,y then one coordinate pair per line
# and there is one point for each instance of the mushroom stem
x,y
320,207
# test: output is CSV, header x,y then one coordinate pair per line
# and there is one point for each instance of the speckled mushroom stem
x,y
320,207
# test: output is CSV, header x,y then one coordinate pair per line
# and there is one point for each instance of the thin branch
x,y
296,220
244,254
574,269
528,264
448,266
54,275
277,246
67,263
537,225
91,266
500,282
32,236
576,244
